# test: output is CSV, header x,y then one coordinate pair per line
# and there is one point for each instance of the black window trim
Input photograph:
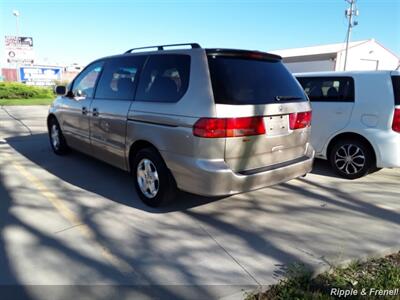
x,y
396,88
107,60
144,68
331,78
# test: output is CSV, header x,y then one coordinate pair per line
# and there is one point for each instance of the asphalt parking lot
x,y
75,220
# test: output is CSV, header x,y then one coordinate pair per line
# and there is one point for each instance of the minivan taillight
x,y
228,127
300,120
396,120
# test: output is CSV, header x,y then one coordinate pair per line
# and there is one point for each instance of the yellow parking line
x,y
71,217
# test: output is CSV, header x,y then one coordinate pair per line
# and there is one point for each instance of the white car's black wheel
x,y
153,181
351,159
57,139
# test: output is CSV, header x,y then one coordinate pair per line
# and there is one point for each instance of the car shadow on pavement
x,y
94,175
98,177
322,167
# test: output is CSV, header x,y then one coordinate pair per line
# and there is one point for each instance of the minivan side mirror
x,y
61,90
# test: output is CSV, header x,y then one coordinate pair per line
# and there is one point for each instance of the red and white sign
x,y
19,49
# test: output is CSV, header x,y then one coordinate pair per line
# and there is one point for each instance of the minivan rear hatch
x,y
266,111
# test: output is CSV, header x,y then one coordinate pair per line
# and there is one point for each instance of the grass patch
x,y
378,274
32,101
16,90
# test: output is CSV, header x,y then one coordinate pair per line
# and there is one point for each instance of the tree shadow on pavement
x,y
15,279
9,283
256,223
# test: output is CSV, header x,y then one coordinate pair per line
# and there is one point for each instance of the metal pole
x,y
350,25
16,24
16,14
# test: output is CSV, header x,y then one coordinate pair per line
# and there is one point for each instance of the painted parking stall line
x,y
122,266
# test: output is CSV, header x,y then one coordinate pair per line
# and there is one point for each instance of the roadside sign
x,y
19,49
39,75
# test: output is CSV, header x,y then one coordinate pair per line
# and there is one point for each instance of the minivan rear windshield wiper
x,y
287,98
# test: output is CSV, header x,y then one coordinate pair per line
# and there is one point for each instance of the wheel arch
x,y
50,117
138,145
351,135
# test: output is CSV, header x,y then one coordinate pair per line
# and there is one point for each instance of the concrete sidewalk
x,y
74,220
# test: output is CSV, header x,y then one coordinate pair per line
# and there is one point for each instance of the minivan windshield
x,y
240,80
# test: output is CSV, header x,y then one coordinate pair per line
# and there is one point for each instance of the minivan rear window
x,y
396,89
239,80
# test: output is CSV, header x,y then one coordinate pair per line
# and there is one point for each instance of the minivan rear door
x,y
332,101
248,86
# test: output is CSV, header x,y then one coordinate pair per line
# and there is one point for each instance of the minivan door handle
x,y
84,110
95,112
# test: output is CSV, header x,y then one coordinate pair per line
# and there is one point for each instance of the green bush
x,y
16,90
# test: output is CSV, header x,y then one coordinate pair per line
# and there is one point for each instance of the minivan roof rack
x,y
161,47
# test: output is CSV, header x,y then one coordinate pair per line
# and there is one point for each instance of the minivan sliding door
x,y
113,98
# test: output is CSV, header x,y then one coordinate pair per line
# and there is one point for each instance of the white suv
x,y
356,119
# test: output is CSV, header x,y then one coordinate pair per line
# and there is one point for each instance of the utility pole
x,y
351,12
16,14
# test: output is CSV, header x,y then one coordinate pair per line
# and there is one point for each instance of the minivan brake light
x,y
228,127
300,120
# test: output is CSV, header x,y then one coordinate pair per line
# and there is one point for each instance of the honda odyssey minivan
x,y
207,121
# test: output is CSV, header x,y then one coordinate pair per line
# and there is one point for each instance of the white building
x,y
362,55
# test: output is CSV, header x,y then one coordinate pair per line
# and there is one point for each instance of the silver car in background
x,y
211,122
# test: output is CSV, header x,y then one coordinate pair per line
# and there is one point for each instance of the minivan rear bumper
x,y
213,177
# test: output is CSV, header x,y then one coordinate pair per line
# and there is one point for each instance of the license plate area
x,y
276,125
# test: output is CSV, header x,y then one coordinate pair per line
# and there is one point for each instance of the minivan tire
x,y
57,139
154,182
351,159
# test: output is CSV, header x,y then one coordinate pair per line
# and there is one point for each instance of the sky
x,y
80,31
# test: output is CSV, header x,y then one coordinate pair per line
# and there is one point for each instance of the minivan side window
x,y
328,89
119,78
85,83
165,78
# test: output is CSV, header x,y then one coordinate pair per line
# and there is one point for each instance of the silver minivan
x,y
211,122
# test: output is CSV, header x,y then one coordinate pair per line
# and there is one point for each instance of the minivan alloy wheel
x,y
55,137
350,159
147,178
